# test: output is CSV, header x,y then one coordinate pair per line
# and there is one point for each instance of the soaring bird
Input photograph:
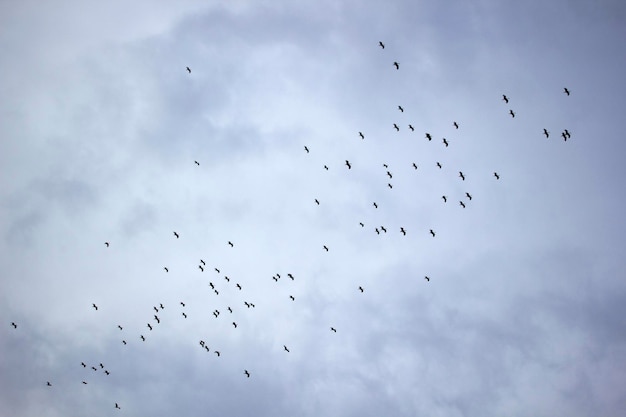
x,y
468,196
149,327
567,133
217,270
382,45
107,372
396,127
247,373
166,270
275,279
101,366
157,319
143,338
235,324
216,292
377,231
230,310
412,128
14,325
238,286
161,305
566,91
124,341
84,383
375,205
445,142
188,70
317,202
504,98
326,248
184,315
414,166
403,231
456,125
120,327
197,163
545,132
202,262
461,175
461,204
426,278
428,136
106,243
439,165
286,348
432,232
564,136
401,109
217,352
306,149
512,113
206,348
291,276
176,234
333,329
361,289
389,185
445,199
48,383
94,306
386,166
495,174
155,309
247,304
325,167
231,244
201,268
83,363
348,164
94,368
383,229
292,298
362,136
389,174
396,65
182,304
117,406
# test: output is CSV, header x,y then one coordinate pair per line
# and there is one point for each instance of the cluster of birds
x,y
159,308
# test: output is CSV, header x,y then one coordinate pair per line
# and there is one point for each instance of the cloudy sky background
x,y
100,126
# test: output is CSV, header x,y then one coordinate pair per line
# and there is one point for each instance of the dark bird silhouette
x,y
468,196
461,204
326,248
317,202
124,341
396,127
545,132
247,304
383,229
445,142
403,231
117,406
182,304
325,167
155,309
564,136
101,366
495,174
14,325
504,98
401,109
439,165
120,327
49,384
238,286
566,91
197,163
456,125
377,231
445,199
389,174
230,310
291,276
567,133
386,166
292,298
396,65
176,234
184,315
306,149
235,324
217,352
361,289
202,343
461,175
348,164
107,372
389,185
512,113
247,373
202,262
188,70
382,45
161,305
94,368
362,136
84,383
286,348
83,363
217,270
231,244
94,306
333,329
157,319
412,128
414,165
278,275
216,292
375,205
428,136
106,243
206,348
166,270
143,338
275,278
432,232
426,278
201,268
149,327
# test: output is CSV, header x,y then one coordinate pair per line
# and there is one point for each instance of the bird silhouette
x,y
333,329
326,248
155,309
157,319
456,125
348,164
166,270
428,136
217,270
377,231
403,231
161,305
94,368
48,383
197,163
361,289
188,70
14,325
426,278
247,304
202,262
206,348
461,175
231,244
286,348
317,202
84,383
564,136
235,324
247,373
94,306
149,327
275,278
101,366
439,165
292,298
362,136
226,278
217,352
325,167
512,113
401,109
83,363
106,243
545,132
412,128
176,234
495,174
414,165
567,133
396,65
386,166
291,276
184,315
375,205
124,341
182,304
566,91
445,142
383,229
468,196
306,149
461,204
382,45
201,268
216,292
432,232
120,327
107,372
143,338
504,98
389,185
389,174
238,286
230,310
117,406
445,199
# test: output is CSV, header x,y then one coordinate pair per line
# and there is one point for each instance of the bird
x,y
84,383
275,279
414,166
545,132
188,70
426,278
143,338
182,304
401,109
238,286
155,309
94,306
162,308
106,243
206,348
291,276
375,205
362,135
333,329
231,244
495,174
83,363
461,176
383,229
101,366
217,270
166,270
14,325
512,113
231,310
455,125
48,383
201,268
382,45
468,196
124,341
504,98
389,174
306,149
247,373
396,127
377,231
564,136
461,204
235,324
317,202
176,234
386,166
94,368
439,165
389,185
197,163
325,247
286,348
361,223
403,231
247,304
202,262
348,164
216,292
120,327
117,406
149,327
445,199
396,65
184,315
567,133
566,91
432,232
157,319
202,343
428,136
211,285
445,142
361,289
217,352
106,372
292,298
325,167
412,128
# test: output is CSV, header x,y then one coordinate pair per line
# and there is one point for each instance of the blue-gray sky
x,y
100,125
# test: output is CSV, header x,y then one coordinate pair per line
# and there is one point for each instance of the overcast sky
x,y
101,126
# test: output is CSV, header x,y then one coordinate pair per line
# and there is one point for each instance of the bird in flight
x,y
120,327
495,174
292,298
564,136
161,305
432,232
511,113
326,248
176,234
428,136
426,278
94,306
107,372
143,338
184,315
14,325
383,229
382,45
468,196
286,348
403,231
291,276
504,98
235,324
566,91
217,352
182,304
445,199
197,163
117,406
439,165
414,166
188,70
83,363
166,270
567,133
238,286
412,128
94,368
461,175
231,244
217,270
389,185
396,127
461,204
377,231
101,366
348,164
306,149
375,205
155,309
106,243
325,167
455,124
401,109
201,268
545,132
362,136
317,202
389,174
84,383
149,327
333,329
247,373
396,65
445,142
361,289
124,341
48,383
157,319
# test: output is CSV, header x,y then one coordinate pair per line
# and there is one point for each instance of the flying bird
x,y
188,70
94,306
317,202
504,98
197,163
348,164
426,278
445,199
564,136
275,278
377,231
396,127
456,125
94,368
383,229
48,383
166,270
325,167
117,406
161,305
155,309
401,109
202,262
389,185
106,243
286,348
292,298
511,113
333,329
389,174
83,363
143,338
120,327
567,133
124,341
217,270
445,142
291,276
461,176
107,372
428,136
495,174
566,91
238,286
403,231
461,204
176,234
235,324
157,319
101,366
432,232
231,310
149,327
326,248
14,325
184,315
231,244
468,196
375,205
201,268
396,65
382,45
414,166
362,136
247,304
361,289
247,373
182,304
439,165
545,132
217,352
306,149
84,383
412,129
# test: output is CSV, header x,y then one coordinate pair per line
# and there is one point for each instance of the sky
x,y
106,137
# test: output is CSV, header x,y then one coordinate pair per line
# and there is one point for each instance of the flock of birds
x,y
159,308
